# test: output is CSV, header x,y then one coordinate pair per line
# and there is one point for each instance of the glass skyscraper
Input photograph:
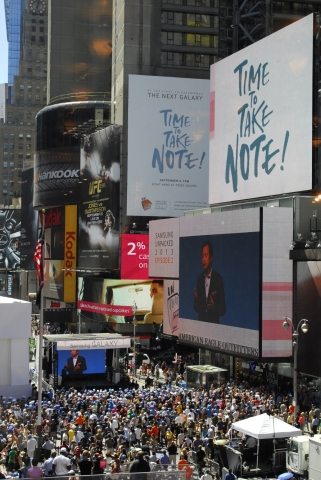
x,y
14,12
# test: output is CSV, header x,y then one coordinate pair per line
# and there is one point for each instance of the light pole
x,y
295,340
134,320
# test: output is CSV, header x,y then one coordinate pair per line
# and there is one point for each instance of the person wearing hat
x,y
61,463
47,465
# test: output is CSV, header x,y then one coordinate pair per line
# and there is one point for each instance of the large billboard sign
x,y
10,238
56,180
29,222
260,117
134,256
234,283
164,248
98,241
167,145
219,281
112,300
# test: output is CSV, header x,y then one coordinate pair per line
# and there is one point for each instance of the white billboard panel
x,y
168,130
164,248
261,110
276,282
171,308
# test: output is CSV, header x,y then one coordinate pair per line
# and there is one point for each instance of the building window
x,y
11,164
5,154
10,114
29,52
5,145
20,146
41,29
21,96
11,155
5,183
11,193
29,88
21,114
33,29
41,39
5,164
28,146
22,87
6,136
28,155
33,20
12,135
29,97
29,69
28,137
12,146
20,136
33,38
5,192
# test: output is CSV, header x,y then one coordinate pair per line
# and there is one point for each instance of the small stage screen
x,y
81,362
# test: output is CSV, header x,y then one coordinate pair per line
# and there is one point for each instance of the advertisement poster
x,y
168,122
261,110
164,248
54,253
119,297
219,281
134,256
56,178
29,222
171,307
10,238
98,241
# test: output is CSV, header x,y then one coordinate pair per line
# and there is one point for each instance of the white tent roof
x,y
265,426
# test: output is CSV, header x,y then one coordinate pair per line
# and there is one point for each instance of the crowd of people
x,y
140,429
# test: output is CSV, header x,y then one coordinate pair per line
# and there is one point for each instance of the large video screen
x,y
220,281
260,117
81,362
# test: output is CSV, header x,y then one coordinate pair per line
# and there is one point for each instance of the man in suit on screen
x,y
76,363
209,297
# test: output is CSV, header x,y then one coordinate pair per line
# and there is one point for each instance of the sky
x,y
3,46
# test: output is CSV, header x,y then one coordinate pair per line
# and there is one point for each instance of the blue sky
x,y
3,46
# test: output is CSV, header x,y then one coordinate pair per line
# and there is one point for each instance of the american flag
x,y
38,258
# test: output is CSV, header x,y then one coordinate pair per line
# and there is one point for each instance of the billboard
x,y
81,362
308,306
10,238
134,256
171,307
167,145
29,222
112,301
98,241
70,253
56,178
54,262
261,110
277,276
219,281
164,248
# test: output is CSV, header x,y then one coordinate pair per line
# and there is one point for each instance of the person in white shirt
x,y
31,446
61,464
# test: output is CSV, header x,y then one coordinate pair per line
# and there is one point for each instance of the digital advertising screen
x,y
134,256
220,281
81,362
98,239
112,301
167,145
260,117
29,221
171,307
164,248
277,281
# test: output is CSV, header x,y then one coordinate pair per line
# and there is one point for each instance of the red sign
x,y
134,257
119,310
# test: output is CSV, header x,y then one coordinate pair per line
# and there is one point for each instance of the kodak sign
x,y
70,241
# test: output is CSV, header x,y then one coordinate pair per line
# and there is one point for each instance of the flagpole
x,y
39,426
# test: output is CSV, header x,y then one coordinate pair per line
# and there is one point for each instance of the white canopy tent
x,y
263,427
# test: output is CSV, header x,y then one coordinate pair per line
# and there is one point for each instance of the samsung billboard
x,y
235,282
260,117
168,122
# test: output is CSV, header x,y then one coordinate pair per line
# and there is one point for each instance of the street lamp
x,y
295,339
134,320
